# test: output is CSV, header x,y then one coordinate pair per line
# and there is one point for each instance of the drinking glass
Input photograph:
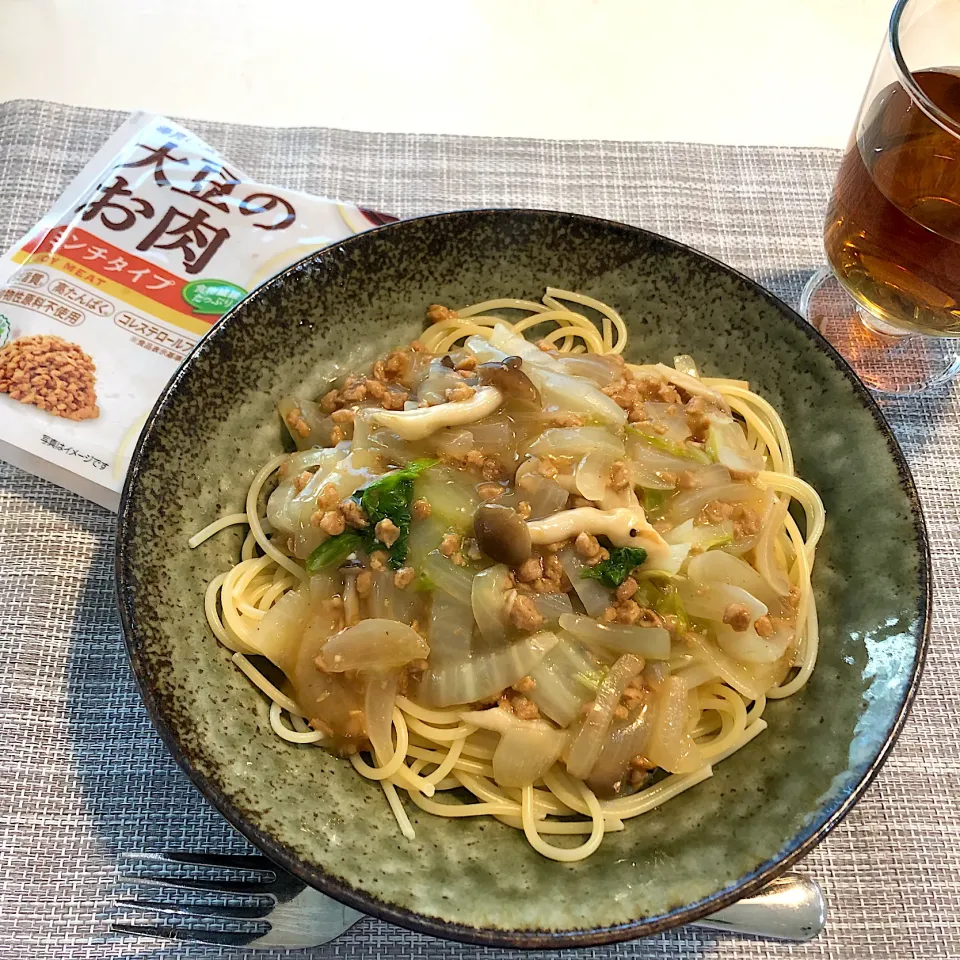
x,y
890,299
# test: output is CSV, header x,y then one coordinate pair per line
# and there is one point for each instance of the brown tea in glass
x,y
892,230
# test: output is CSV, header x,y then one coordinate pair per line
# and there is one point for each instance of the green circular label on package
x,y
212,296
4,329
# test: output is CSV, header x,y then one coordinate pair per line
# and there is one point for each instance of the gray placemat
x,y
82,774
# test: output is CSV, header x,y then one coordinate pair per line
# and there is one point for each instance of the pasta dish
x,y
506,573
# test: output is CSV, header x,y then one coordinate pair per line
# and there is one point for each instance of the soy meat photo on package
x,y
151,244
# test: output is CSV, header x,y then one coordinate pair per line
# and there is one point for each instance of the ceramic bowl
x,y
476,880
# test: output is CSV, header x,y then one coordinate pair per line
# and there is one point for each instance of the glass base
x,y
885,358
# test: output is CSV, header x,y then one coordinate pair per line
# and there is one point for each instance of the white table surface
x,y
784,72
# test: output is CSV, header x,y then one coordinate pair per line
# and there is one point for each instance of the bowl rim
x,y
532,939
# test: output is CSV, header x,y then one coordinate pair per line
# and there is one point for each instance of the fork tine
x,y
186,933
228,860
210,886
198,910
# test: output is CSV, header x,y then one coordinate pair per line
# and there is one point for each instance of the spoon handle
x,y
788,908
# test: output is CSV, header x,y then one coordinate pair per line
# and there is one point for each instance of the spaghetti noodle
x,y
722,651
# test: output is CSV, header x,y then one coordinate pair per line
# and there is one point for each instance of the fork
x,y
295,915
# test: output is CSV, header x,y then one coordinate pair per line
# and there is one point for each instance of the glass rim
x,y
940,117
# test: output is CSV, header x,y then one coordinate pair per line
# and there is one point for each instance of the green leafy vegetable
x,y
387,498
613,571
334,550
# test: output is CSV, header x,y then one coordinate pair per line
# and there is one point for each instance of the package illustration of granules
x,y
156,238
50,373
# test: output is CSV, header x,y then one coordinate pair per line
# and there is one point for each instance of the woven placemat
x,y
83,777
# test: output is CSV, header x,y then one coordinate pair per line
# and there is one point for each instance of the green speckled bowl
x,y
476,880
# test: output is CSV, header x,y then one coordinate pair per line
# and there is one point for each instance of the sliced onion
x,y
389,445
709,475
747,646
488,437
487,602
526,753
329,697
585,749
696,675
453,441
710,600
655,469
348,475
671,746
687,505
623,742
527,748
323,457
559,389
376,644
764,551
669,563
305,541
378,700
483,675
692,385
651,478
507,343
574,394
600,369
448,577
592,475
752,682
546,498
594,596
727,444
684,364
493,436
319,426
552,606
576,442
719,567
285,509
277,636
652,643
743,545
618,499
671,417
437,382
703,537
564,680
419,369
450,629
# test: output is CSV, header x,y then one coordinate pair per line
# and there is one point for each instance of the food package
x,y
151,244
